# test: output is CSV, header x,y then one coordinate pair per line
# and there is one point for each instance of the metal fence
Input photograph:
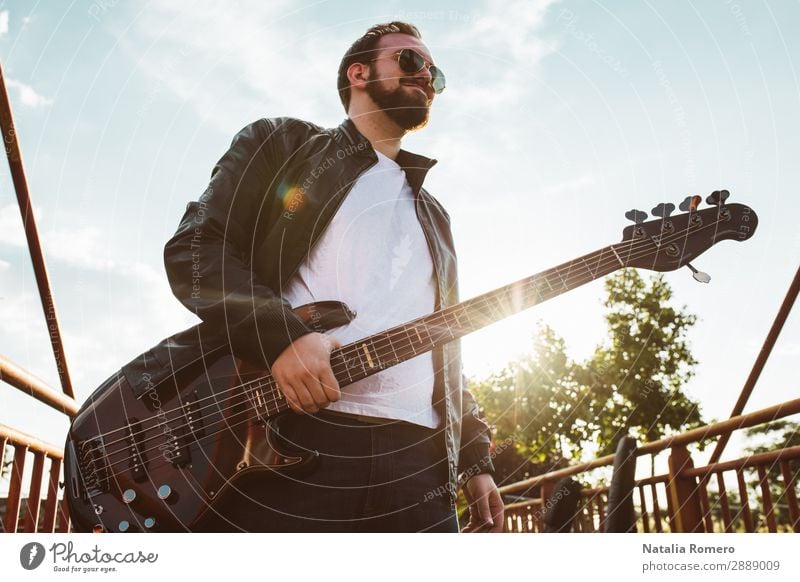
x,y
686,498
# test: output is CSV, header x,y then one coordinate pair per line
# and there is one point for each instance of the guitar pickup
x,y
137,451
188,431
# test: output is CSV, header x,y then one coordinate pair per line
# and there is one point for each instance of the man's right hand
x,y
304,375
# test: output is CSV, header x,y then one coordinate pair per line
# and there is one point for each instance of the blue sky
x,y
558,118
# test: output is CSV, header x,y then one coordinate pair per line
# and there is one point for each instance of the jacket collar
x,y
415,166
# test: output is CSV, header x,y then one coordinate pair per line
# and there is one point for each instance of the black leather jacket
x,y
269,199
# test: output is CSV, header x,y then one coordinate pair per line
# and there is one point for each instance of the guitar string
x,y
440,315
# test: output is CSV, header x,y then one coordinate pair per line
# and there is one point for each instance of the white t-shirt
x,y
373,256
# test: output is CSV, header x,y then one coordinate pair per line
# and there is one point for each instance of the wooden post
x,y
684,493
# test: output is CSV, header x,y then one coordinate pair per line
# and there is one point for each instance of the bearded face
x,y
405,100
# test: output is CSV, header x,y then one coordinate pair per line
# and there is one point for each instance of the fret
x,y
365,349
535,289
469,319
563,282
613,250
497,308
588,268
394,352
253,396
456,320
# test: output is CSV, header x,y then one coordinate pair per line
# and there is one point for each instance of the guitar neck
x,y
370,355
374,353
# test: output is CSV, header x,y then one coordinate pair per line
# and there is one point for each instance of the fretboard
x,y
374,353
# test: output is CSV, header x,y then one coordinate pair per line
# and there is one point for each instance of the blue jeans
x,y
367,478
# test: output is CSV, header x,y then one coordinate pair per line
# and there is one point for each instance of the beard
x,y
408,109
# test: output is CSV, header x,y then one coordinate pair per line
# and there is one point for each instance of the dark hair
x,y
361,51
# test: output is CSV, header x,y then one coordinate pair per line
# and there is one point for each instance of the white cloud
x,y
4,266
504,46
237,62
3,22
11,230
28,95
510,28
81,247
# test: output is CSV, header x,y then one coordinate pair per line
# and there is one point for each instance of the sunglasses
x,y
411,62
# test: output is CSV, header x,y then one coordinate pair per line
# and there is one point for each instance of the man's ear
x,y
358,75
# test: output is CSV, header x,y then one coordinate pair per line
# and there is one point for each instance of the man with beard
x,y
297,214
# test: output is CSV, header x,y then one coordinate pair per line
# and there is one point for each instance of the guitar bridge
x,y
93,467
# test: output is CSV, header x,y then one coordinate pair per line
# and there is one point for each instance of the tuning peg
x,y
718,197
690,203
699,276
637,216
663,210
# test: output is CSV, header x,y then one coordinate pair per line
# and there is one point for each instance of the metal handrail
x,y
35,387
695,435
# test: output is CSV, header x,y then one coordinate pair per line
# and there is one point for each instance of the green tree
x,y
636,376
553,408
533,402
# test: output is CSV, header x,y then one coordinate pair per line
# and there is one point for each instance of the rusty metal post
x,y
15,489
51,505
766,499
723,500
684,493
35,387
63,517
32,234
745,500
788,483
34,494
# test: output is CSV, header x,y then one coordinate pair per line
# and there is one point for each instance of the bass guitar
x,y
159,460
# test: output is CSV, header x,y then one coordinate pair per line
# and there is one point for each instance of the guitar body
x,y
163,460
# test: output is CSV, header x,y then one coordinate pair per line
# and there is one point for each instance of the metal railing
x,y
55,517
684,489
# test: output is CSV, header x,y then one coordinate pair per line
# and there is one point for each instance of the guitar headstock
x,y
670,242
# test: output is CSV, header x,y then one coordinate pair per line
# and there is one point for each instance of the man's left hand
x,y
485,505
